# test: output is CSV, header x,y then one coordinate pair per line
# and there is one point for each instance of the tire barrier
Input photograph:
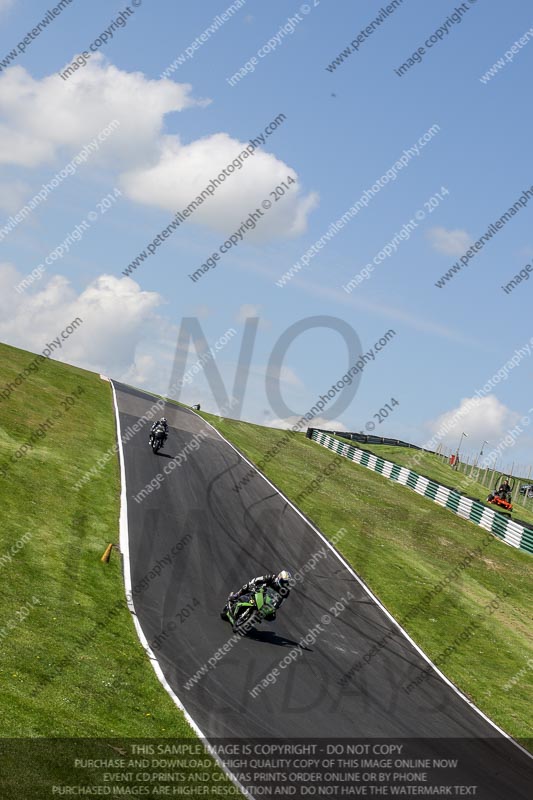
x,y
505,529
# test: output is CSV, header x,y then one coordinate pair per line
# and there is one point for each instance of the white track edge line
x,y
372,595
125,550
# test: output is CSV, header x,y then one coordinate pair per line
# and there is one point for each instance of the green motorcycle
x,y
251,609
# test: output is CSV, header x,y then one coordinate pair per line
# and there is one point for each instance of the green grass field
x,y
403,545
71,664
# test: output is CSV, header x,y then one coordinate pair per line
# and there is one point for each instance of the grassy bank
x,y
71,664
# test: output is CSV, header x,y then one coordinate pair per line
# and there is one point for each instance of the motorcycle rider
x,y
160,423
280,582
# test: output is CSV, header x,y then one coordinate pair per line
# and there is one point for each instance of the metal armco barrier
x,y
505,529
368,438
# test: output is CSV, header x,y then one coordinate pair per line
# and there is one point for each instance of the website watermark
x,y
467,633
36,31
157,407
156,482
206,193
436,37
67,171
15,548
275,41
75,236
445,583
249,224
20,616
508,56
365,34
336,388
493,229
310,638
363,201
42,430
128,434
37,362
517,677
523,275
403,235
196,44
101,40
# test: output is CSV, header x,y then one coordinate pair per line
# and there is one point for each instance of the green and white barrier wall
x,y
508,531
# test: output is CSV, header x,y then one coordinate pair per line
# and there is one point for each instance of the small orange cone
x,y
107,555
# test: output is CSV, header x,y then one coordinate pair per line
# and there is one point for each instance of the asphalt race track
x,y
222,538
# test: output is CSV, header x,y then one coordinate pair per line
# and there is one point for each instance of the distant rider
x,y
280,583
162,424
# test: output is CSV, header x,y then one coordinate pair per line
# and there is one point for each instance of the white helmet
x,y
283,578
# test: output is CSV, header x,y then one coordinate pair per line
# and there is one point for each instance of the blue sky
x,y
343,129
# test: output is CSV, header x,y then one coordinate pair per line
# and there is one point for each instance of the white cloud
x,y
48,119
486,419
250,310
142,371
202,311
247,310
13,195
286,375
452,243
116,316
44,116
183,171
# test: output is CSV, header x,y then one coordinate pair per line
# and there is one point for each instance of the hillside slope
x,y
71,663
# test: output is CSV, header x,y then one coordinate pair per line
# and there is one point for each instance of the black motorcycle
x,y
157,439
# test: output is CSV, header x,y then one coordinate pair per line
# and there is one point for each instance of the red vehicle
x,y
502,496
